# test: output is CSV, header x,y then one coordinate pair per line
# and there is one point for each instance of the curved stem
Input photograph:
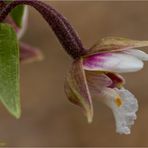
x,y
63,30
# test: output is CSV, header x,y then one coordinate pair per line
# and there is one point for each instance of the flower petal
x,y
112,62
137,53
77,90
124,107
97,81
117,80
29,54
116,44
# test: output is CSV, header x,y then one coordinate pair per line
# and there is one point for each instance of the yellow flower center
x,y
118,101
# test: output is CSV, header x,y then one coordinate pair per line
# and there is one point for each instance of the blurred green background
x,y
48,118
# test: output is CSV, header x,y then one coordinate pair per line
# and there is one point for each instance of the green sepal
x,y
76,89
111,44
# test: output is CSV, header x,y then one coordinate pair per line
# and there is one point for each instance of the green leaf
x,y
17,15
9,70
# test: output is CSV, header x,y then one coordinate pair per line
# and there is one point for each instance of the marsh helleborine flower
x,y
94,71
95,75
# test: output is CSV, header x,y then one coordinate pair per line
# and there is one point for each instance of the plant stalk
x,y
59,24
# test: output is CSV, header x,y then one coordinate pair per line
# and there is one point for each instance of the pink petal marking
x,y
96,60
112,62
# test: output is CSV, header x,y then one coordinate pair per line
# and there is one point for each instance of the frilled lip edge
x,y
124,106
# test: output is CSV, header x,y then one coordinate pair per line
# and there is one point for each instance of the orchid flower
x,y
95,75
27,53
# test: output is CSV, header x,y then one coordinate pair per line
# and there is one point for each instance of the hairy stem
x,y
63,30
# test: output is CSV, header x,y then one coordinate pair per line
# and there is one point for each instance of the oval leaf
x,y
9,70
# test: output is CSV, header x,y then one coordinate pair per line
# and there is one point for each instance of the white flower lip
x,y
124,109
